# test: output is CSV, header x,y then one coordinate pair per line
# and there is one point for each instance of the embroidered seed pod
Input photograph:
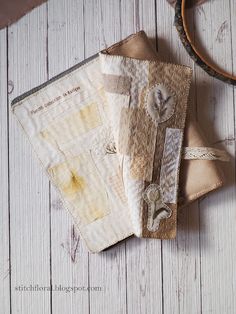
x,y
157,209
160,103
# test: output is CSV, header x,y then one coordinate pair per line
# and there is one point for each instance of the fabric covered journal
x,y
110,133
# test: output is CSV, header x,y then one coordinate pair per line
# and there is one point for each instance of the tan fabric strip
x,y
137,138
204,153
167,225
176,79
117,84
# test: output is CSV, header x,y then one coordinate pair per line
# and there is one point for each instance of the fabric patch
x,y
160,103
81,185
178,78
170,165
137,138
136,70
116,183
157,209
74,125
116,103
117,84
204,153
127,117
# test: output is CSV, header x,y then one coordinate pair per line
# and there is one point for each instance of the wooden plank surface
x,y
216,115
4,191
29,187
39,243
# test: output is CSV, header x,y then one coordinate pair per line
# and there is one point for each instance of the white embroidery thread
x,y
160,103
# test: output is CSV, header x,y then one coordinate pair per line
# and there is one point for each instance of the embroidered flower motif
x,y
111,148
102,142
157,209
160,103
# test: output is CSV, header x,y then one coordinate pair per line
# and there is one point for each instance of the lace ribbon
x,y
204,153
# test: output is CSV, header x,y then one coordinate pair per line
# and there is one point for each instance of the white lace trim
x,y
204,153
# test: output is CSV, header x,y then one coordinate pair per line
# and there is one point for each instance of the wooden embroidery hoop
x,y
181,25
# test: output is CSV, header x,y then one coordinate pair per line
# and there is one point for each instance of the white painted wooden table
x,y
39,244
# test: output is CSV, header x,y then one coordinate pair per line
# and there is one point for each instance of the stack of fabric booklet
x,y
111,133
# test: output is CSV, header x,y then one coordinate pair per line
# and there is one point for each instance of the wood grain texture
x,y
40,244
29,194
4,191
181,257
216,110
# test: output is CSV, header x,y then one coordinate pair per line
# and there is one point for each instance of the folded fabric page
x,y
147,104
67,123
